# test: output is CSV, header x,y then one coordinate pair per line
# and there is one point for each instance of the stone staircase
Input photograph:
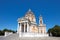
x,y
40,38
12,37
16,37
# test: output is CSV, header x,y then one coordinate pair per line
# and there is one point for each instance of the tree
x,y
6,30
2,32
55,31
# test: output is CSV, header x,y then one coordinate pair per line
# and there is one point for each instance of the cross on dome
x,y
29,9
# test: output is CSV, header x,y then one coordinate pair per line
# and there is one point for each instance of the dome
x,y
30,15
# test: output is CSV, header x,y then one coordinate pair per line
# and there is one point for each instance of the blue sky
x,y
11,10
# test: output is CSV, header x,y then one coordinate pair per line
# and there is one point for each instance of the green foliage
x,y
55,31
1,33
6,30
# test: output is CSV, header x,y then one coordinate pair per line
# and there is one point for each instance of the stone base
x,y
32,35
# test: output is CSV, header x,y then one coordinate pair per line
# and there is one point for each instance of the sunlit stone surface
x,y
16,37
27,26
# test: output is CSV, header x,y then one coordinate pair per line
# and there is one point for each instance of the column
x,y
20,27
28,27
20,30
24,27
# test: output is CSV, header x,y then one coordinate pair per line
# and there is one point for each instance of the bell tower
x,y
40,20
42,26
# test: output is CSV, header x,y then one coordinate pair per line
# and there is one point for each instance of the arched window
x,y
40,22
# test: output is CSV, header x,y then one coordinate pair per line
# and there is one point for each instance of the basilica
x,y
27,26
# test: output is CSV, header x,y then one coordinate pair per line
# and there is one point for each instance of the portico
x,y
23,27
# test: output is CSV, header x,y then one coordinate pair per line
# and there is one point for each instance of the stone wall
x,y
8,33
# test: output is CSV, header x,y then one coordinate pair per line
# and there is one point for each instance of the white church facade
x,y
27,26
